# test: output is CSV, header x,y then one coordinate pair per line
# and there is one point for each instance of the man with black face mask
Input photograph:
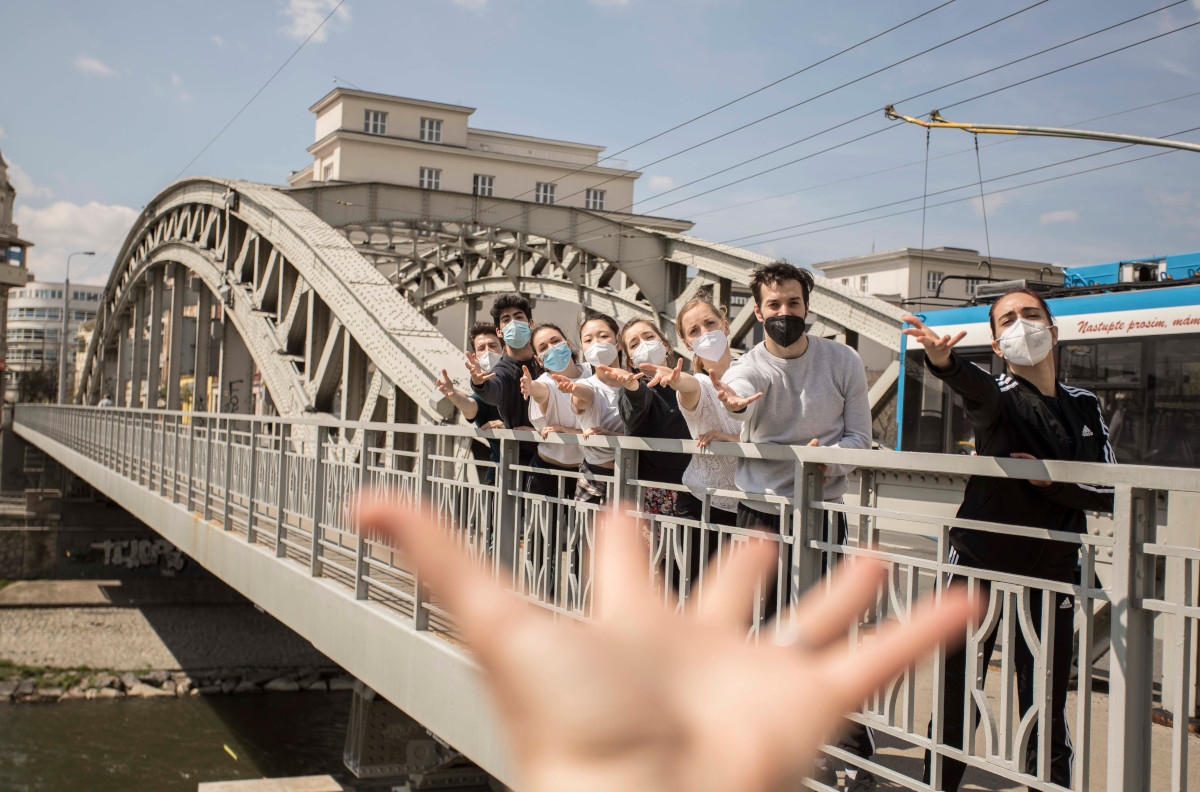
x,y
796,389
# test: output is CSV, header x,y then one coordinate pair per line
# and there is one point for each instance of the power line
x,y
967,198
756,121
745,96
940,156
946,190
229,123
910,98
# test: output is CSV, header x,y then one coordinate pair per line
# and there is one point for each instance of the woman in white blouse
x,y
550,409
704,330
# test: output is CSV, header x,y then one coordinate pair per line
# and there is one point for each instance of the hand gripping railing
x,y
289,485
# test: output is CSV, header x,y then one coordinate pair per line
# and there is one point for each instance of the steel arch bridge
x,y
327,295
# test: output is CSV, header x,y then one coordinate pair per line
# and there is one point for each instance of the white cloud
x,y
220,42
304,15
89,65
994,202
177,84
1175,209
661,183
1060,216
64,227
25,185
474,5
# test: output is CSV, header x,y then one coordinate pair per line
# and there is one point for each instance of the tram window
x,y
935,420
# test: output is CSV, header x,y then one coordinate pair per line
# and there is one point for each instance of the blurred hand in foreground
x,y
644,698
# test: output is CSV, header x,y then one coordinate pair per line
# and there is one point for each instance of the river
x,y
170,744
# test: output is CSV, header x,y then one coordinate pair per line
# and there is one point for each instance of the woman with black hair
x,y
1024,412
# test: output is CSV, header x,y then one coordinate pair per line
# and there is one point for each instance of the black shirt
x,y
654,412
503,392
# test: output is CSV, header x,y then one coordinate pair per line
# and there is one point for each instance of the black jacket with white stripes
x,y
1010,415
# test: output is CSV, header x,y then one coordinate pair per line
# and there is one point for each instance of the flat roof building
x,y
372,137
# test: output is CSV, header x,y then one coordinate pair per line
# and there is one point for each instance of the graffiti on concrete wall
x,y
140,553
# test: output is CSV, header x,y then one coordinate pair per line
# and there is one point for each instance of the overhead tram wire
x,y
744,96
938,157
229,123
741,240
909,99
793,107
932,90
966,198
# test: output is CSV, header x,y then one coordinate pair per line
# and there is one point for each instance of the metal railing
x,y
289,484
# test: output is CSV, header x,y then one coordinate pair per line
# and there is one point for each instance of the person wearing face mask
x,y
594,401
1024,412
484,343
501,387
650,411
797,389
550,413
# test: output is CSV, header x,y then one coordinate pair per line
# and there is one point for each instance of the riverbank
x,y
85,640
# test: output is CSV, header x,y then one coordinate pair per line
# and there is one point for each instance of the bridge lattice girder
x,y
441,247
319,324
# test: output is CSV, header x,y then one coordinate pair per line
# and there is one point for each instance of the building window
x,y
431,179
594,199
327,172
862,282
972,285
431,130
932,280
845,281
544,193
484,185
374,122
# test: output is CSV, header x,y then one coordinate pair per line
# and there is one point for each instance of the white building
x,y
34,332
371,137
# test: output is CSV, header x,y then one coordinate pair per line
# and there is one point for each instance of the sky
x,y
104,104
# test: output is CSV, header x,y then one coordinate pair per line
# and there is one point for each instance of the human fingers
x,y
814,442
622,584
824,614
704,439
727,600
914,321
481,607
754,398
853,674
959,337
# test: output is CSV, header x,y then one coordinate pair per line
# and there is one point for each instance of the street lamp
x,y
66,311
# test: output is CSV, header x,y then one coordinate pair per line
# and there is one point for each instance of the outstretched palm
x,y
619,375
565,384
445,385
662,375
478,375
730,398
937,348
646,698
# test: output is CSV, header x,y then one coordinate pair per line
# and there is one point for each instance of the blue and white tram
x,y
1128,331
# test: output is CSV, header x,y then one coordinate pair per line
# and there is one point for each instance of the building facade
x,y
363,136
34,332
13,250
912,277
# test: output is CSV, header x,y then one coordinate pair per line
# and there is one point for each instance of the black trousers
x,y
543,552
954,690
858,739
690,507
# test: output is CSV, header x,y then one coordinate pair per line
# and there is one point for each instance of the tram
x,y
1128,331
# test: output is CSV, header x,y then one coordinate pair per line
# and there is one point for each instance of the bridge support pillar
x,y
124,364
203,350
178,325
237,374
383,742
154,345
139,349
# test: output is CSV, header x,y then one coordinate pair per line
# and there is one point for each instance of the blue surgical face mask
x,y
557,357
516,334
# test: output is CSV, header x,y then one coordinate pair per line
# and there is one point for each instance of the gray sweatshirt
x,y
821,394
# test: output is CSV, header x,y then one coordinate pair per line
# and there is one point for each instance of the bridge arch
x,y
235,280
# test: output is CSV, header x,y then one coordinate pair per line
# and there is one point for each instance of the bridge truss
x,y
328,295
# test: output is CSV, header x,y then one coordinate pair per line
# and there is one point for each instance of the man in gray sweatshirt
x,y
796,389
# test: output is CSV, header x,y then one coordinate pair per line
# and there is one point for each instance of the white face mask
x,y
1026,343
711,345
601,353
651,351
488,360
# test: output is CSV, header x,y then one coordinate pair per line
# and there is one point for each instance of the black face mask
x,y
784,330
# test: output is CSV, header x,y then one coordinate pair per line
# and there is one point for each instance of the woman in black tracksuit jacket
x,y
1024,412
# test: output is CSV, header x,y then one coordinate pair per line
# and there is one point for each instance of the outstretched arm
x,y
582,395
978,388
614,705
532,389
683,383
465,404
